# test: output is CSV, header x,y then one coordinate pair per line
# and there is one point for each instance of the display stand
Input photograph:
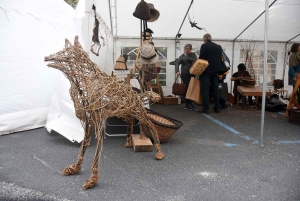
x,y
141,143
293,98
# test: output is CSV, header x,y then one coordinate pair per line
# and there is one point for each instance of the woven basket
x,y
121,64
198,67
164,125
294,116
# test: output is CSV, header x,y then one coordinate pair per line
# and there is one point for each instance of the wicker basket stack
x,y
164,125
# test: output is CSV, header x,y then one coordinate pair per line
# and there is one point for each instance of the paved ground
x,y
214,157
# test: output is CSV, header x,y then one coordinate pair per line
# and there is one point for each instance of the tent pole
x,y
197,39
111,26
285,50
265,74
116,22
292,38
284,61
184,18
232,62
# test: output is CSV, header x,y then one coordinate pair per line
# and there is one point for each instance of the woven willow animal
x,y
97,96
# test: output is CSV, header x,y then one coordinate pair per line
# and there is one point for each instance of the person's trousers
x,y
186,78
222,103
205,79
236,98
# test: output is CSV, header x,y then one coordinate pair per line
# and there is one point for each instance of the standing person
x,y
186,61
242,73
212,53
294,63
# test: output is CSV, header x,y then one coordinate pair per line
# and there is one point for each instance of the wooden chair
x,y
279,88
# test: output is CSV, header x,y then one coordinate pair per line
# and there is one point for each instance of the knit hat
x,y
148,54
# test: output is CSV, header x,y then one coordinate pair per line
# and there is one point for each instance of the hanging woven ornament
x,y
95,48
121,62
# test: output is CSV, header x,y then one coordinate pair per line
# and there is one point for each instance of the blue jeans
x,y
213,79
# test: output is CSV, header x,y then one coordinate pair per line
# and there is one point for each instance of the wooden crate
x,y
170,100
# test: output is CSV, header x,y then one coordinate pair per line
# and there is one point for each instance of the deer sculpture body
x,y
98,96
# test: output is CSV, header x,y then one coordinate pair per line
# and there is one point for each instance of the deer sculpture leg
x,y
75,168
129,121
159,155
91,182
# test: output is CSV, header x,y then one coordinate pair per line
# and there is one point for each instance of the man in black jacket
x,y
212,53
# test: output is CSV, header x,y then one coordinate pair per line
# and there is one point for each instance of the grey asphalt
x,y
211,157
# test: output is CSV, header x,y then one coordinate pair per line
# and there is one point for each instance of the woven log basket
x,y
164,125
294,116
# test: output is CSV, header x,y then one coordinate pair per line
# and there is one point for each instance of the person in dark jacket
x,y
212,53
241,73
186,61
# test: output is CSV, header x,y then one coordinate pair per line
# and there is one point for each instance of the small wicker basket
x,y
294,116
164,125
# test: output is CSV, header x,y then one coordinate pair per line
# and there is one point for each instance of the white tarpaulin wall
x,y
29,31
61,117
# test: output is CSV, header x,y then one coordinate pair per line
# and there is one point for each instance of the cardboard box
x,y
170,100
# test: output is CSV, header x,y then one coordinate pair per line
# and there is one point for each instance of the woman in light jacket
x,y
186,61
294,63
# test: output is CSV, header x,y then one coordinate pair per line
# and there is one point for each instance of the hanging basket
x,y
164,125
294,116
121,64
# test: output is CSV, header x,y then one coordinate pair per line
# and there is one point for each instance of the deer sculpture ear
x,y
67,43
76,40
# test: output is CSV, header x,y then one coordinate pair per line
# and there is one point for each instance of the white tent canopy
x,y
224,19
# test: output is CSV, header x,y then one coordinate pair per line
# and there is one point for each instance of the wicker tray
x,y
294,116
164,125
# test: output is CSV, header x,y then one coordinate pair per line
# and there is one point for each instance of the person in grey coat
x,y
186,61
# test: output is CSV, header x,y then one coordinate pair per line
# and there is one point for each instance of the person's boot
x,y
188,107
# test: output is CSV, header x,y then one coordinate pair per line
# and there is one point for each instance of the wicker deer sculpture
x,y
97,96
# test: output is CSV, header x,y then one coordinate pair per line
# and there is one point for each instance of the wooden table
x,y
255,91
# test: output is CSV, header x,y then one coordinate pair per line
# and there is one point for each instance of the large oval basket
x,y
164,125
